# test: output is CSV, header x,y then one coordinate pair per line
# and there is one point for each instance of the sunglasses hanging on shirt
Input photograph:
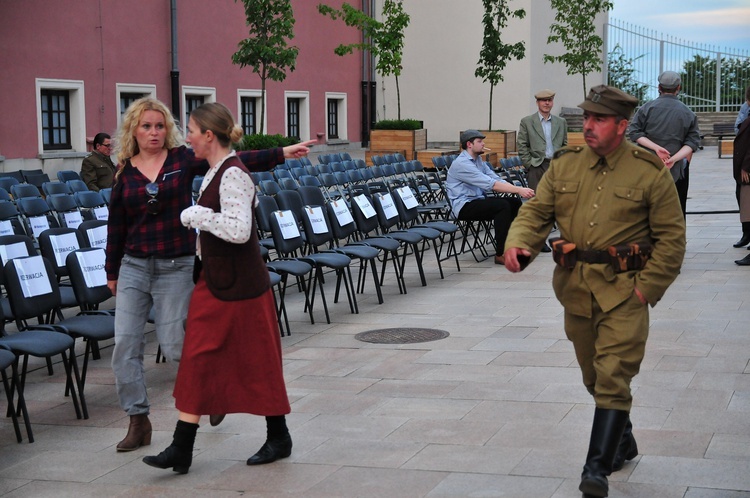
x,y
152,205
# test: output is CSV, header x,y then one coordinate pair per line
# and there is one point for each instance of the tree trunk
x,y
398,99
262,101
492,90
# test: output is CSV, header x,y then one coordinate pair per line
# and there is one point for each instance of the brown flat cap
x,y
544,94
608,100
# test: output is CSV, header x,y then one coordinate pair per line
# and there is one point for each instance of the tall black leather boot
x,y
628,448
606,434
179,454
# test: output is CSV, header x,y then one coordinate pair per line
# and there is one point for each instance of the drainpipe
x,y
174,74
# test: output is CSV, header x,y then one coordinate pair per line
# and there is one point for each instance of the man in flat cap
x,y
669,129
622,241
539,136
468,182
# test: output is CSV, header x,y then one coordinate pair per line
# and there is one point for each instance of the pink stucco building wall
x,y
103,43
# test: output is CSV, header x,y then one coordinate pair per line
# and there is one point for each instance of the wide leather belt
x,y
593,257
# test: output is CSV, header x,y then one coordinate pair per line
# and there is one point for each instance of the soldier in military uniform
x,y
97,169
622,241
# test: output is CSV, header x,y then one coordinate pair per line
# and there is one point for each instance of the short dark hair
x,y
100,138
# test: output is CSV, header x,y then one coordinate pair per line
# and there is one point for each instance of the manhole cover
x,y
401,335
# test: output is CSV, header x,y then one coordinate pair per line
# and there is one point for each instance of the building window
x,y
249,115
55,119
127,99
333,118
191,103
292,117
336,125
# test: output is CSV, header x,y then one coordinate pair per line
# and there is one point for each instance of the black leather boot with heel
x,y
179,454
628,448
278,442
606,434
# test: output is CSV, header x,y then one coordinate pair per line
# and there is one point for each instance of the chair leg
x,y
74,380
11,406
378,290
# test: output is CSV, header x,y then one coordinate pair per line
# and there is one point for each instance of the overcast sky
x,y
719,23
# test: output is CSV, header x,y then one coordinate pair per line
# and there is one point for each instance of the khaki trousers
x,y
609,348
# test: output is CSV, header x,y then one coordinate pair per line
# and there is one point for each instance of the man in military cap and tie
x,y
622,241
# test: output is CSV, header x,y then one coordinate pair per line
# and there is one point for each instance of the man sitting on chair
x,y
470,179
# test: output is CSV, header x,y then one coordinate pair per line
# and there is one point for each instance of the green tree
x,y
271,24
621,74
495,54
385,40
699,82
574,27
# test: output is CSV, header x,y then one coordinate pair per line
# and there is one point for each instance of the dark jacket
x,y
741,158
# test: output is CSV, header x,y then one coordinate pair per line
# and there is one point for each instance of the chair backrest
x,y
68,174
287,238
312,170
15,246
37,215
399,157
67,210
94,233
389,159
32,287
324,168
50,188
293,163
386,210
305,161
37,180
354,176
5,196
407,215
297,172
266,206
280,173
88,277
288,184
107,192
292,201
342,178
265,176
337,167
377,160
342,225
317,227
312,196
367,219
92,205
349,165
345,156
24,190
309,181
14,174
56,243
77,185
377,171
269,187
367,174
10,221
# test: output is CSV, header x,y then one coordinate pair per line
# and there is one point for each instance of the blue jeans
x,y
167,284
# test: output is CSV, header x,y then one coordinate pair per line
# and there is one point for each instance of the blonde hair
x,y
217,118
127,146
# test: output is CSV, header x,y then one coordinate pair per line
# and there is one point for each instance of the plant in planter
x,y
495,54
385,40
260,142
574,27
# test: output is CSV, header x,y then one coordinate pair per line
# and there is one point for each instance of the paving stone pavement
x,y
495,409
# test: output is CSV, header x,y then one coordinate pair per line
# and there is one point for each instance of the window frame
x,y
342,105
304,113
76,117
145,90
257,95
208,94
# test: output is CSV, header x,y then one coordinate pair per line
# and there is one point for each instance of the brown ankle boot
x,y
139,434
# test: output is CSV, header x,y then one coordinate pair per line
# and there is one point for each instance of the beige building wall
x,y
441,51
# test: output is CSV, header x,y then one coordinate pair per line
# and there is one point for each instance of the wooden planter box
x,y
501,143
726,148
409,140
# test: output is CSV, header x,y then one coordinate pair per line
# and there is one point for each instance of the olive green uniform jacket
x,y
630,199
98,171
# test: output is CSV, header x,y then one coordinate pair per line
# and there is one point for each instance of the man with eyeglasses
x,y
97,169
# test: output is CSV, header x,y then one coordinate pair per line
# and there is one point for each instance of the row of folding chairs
x,y
36,292
336,157
27,189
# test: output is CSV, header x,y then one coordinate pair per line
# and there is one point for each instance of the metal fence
x,y
712,79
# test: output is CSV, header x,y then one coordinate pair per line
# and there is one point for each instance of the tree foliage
x,y
621,74
385,40
495,54
699,82
265,50
574,27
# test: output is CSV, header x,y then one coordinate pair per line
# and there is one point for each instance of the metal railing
x,y
713,80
